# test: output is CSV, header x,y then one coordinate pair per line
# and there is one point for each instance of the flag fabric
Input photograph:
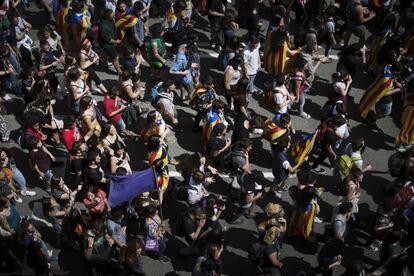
x,y
212,119
276,58
302,221
406,134
303,147
124,188
62,23
81,23
125,22
162,176
273,131
379,87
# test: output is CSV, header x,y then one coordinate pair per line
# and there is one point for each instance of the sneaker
x,y
164,259
213,45
174,162
278,194
28,193
372,247
18,199
317,220
304,115
231,106
404,147
237,221
257,131
319,170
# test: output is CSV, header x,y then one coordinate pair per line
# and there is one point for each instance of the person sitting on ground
x,y
197,193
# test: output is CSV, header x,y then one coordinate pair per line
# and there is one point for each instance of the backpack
x,y
22,139
345,163
228,160
268,98
154,98
203,7
341,188
236,194
201,99
256,252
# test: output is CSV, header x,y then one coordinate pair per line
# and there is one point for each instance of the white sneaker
x,y
18,199
317,220
257,131
28,193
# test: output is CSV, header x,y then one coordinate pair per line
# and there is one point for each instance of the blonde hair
x,y
272,209
271,235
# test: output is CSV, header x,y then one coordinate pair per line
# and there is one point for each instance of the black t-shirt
x,y
78,165
269,250
217,6
329,137
94,175
189,226
240,131
215,144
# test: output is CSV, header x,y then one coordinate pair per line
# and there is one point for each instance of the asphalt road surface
x,y
295,256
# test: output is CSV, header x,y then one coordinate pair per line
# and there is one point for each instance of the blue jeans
x,y
250,86
121,124
49,175
18,177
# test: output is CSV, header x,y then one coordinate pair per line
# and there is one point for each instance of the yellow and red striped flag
x,y
406,134
379,87
303,147
125,22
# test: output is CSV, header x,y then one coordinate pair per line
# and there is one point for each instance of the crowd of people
x,y
96,126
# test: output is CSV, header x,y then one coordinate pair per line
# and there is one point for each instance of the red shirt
x,y
110,105
70,136
101,205
32,132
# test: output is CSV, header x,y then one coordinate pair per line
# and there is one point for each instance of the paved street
x,y
295,256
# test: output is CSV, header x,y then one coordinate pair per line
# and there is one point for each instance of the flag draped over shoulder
x,y
212,119
379,87
123,23
124,188
273,131
303,147
302,221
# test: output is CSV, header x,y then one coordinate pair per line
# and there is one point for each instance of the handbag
x,y
130,115
151,244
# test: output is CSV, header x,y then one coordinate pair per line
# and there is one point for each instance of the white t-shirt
x,y
251,59
195,192
355,155
280,97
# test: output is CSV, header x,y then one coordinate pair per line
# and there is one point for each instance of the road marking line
x,y
268,175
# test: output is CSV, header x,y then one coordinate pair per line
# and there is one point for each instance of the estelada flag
x,y
303,147
379,87
125,22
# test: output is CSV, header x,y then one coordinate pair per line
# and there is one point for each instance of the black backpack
x,y
228,160
256,252
236,194
341,188
201,99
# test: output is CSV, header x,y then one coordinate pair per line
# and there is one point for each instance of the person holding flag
x,y
379,94
214,117
277,127
159,158
124,21
405,139
281,167
79,21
